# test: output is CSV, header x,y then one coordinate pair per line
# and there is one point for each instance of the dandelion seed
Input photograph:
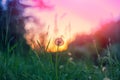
x,y
61,66
104,69
90,77
69,54
106,78
70,59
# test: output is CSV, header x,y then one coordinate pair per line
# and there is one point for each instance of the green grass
x,y
17,65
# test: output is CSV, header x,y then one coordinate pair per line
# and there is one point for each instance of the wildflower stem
x,y
56,63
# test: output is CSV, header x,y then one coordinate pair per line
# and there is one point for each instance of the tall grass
x,y
18,64
49,66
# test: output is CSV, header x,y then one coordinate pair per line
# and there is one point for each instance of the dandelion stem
x,y
56,64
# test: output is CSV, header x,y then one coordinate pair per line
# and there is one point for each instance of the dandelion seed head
x,y
70,59
89,77
61,66
104,69
69,54
59,41
106,78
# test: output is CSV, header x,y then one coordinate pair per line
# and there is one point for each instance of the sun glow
x,y
44,26
48,20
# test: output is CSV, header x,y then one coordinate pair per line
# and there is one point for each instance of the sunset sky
x,y
84,15
87,14
65,18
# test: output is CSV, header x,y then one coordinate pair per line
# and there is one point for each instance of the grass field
x,y
18,64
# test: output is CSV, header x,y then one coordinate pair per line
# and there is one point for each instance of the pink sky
x,y
87,14
92,11
73,16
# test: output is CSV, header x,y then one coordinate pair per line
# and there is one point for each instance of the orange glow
x,y
51,19
44,30
45,26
